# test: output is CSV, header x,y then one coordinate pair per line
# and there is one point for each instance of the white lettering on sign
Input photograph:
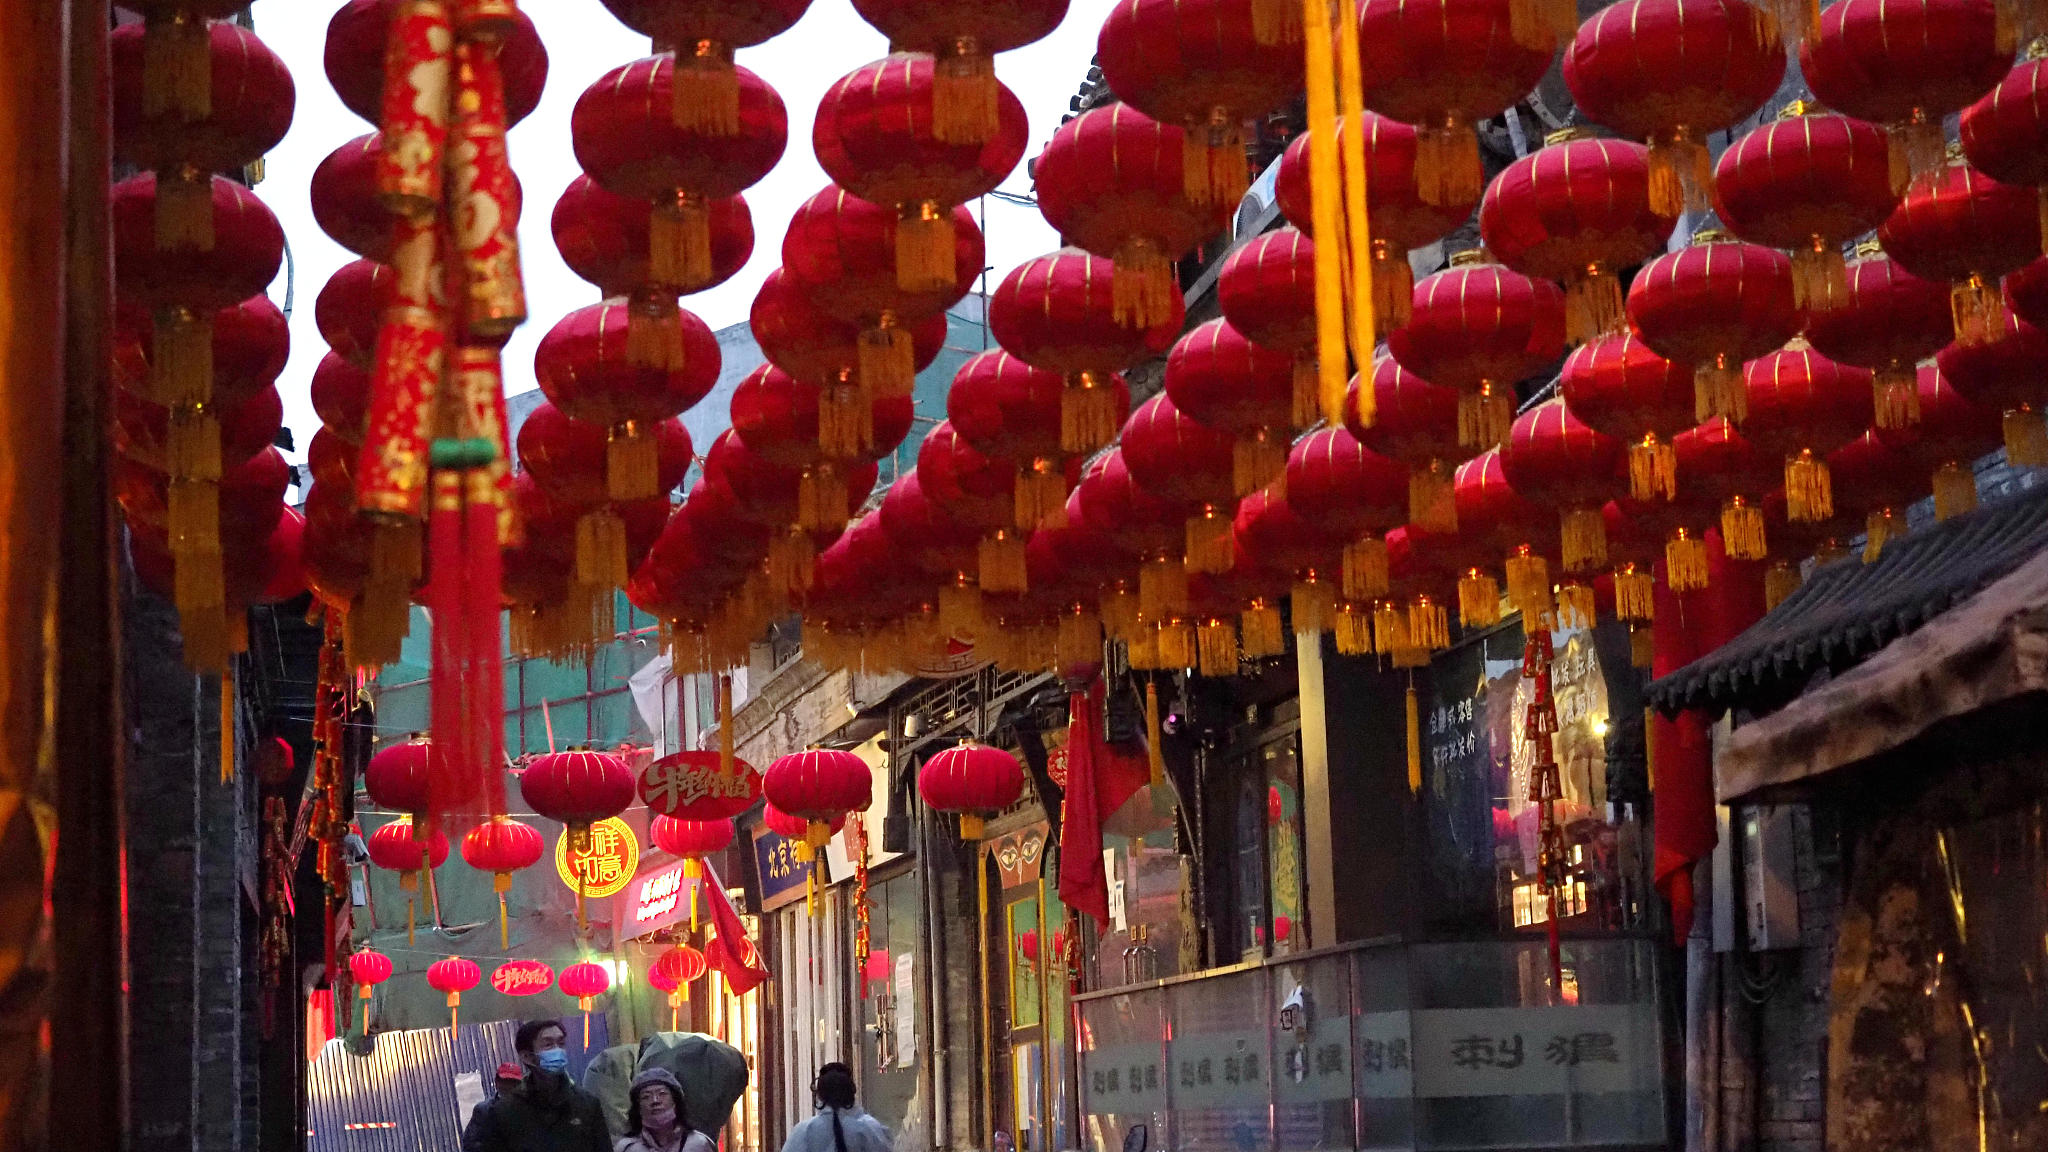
x,y
659,894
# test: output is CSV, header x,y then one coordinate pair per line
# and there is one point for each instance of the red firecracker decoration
x,y
1889,320
1714,304
1959,225
359,34
1480,327
502,846
454,976
1806,406
1619,386
2009,375
973,780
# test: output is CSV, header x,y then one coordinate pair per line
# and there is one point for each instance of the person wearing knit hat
x,y
657,1119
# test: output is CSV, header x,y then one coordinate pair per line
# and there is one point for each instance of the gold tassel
x,y
1141,649
1118,607
501,883
632,463
1879,529
227,725
1039,497
1308,400
1809,498
1447,169
1484,417
1819,277
2026,439
1431,503
1642,646
1913,146
1260,631
1155,755
181,357
1162,589
1978,311
1796,20
792,558
924,248
1216,648
846,421
964,95
679,241
1635,593
1326,202
601,550
396,554
1210,547
1276,22
654,333
1577,607
1365,569
1584,540
705,91
377,625
1389,627
1718,389
1393,293
1088,414
1681,174
1685,561
1311,603
1001,557
1652,469
887,360
1955,490
821,498
1528,584
1212,166
1478,599
192,444
1080,637
1541,25
1592,307
1353,631
960,608
1256,461
1742,529
184,211
1429,626
1897,394
1413,710
727,765
177,67
1357,222
971,826
1141,284
1781,579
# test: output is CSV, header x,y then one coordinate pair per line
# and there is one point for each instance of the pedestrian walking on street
x,y
544,1112
657,1120
840,1125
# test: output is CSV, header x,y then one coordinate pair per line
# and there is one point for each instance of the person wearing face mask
x,y
544,1112
657,1119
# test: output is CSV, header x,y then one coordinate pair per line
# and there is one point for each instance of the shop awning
x,y
1848,610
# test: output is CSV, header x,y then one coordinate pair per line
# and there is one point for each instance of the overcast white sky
x,y
583,43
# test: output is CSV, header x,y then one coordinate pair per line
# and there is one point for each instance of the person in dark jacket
x,y
545,1112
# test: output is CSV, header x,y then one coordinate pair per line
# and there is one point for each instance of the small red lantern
x,y
1222,380
1619,386
1720,469
1111,181
1714,304
1480,327
502,846
2009,374
1416,423
1805,407
587,367
369,969
1888,321
1186,463
817,786
1554,458
973,780
569,460
673,972
1874,478
143,431
1353,494
1496,521
402,848
585,982
1270,536
350,308
828,354
1267,291
1959,225
1577,210
963,38
1668,73
454,976
692,841
709,93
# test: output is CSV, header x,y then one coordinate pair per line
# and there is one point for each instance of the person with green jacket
x,y
545,1112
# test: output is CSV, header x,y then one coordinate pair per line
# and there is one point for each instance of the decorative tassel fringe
x,y
1088,414
1913,147
1819,277
1742,529
1718,389
679,243
1210,547
632,468
1592,307
1365,569
1429,626
1584,540
1216,648
727,738
1119,608
396,553
1797,20
887,361
1141,286
1879,529
1393,292
1635,593
924,248
1542,24
1484,417
1141,650
1389,628
821,499
1431,506
1155,750
1897,394
1260,631
846,421
1685,561
1576,606
964,100
184,211
1652,470
1478,599
791,560
177,68
1162,589
1781,579
1642,646
1002,563
960,609
1176,645
1276,22
654,334
376,626
1308,401
1681,175
1039,497
1413,733
1528,584
1352,632
1978,311
1955,490
1256,461
1312,603
704,90
1213,167
601,550
192,444
1809,497
1447,169
1080,638
2026,439
181,357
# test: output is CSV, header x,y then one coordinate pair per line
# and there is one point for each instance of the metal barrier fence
x,y
1421,1046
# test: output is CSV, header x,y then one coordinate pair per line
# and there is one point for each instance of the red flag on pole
x,y
730,951
1099,781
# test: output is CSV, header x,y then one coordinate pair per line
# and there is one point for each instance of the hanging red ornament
x,y
368,969
1416,423
1959,225
1555,459
1714,304
1268,534
358,35
973,780
1353,494
963,38
1480,327
586,367
673,972
569,460
143,431
818,787
1806,406
346,203
774,496
1619,386
1889,320
2009,375
2026,292
1720,473
1185,462
454,976
586,982
2005,133
605,238
1220,379
399,847
1009,410
1945,445
502,846
350,309
1874,478
976,491
708,95
176,63
827,354
1142,524
1267,291
1498,525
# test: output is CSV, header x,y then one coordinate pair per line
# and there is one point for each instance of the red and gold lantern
x,y
963,38
1009,410
1944,446
1715,304
1806,406
2005,133
2009,375
1554,458
502,846
1889,320
368,968
1959,225
586,368
1224,381
818,786
1353,494
1480,327
973,780
1267,291
1187,463
691,841
1416,423
1619,386
585,982
828,354
454,976
673,972
708,93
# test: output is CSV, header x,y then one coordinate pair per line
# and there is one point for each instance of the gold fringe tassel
x,y
1389,627
1357,222
1809,497
1365,569
1685,561
1352,631
705,91
1584,540
1879,529
632,468
1412,708
1742,529
2026,438
925,248
1978,311
1781,579
1001,556
1088,414
887,360
1652,469
1635,593
654,333
1912,147
1393,292
960,615
1039,497
1681,174
177,67
1213,167
1577,606
1431,504
181,357
1326,201
846,421
679,242
1484,417
1528,584
1429,626
1260,631
1162,589
192,443
1256,461
1718,389
1155,754
1210,547
821,498
1276,22
1896,391
1141,284
1642,646
1819,277
1592,306
1955,490
184,211
1447,169
1216,648
964,95
1478,599
601,550
1312,603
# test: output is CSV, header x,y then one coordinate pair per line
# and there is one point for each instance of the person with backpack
x,y
840,1124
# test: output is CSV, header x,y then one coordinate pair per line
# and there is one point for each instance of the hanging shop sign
x,y
657,898
693,786
604,864
782,874
522,977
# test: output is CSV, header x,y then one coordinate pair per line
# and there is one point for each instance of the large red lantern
x,y
1133,524
406,777
1416,423
1959,225
247,425
1111,181
577,788
1009,410
691,841
1185,462
350,309
359,32
1479,327
818,786
778,498
1217,377
586,367
1808,182
963,38
569,460
1668,73
1497,524
828,354
1715,304
176,61
369,969
874,137
1058,312
502,846
1805,407
2005,134
607,239
412,853
1201,65
1267,291
1720,473
1888,321
973,780
1577,210
1270,537
976,491
346,203
1874,478
708,94
454,976
1619,386
1353,494
1554,458
1952,433
938,546
2009,375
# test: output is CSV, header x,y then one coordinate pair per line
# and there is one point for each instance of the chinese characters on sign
x,y
602,865
691,786
1123,1078
522,977
782,874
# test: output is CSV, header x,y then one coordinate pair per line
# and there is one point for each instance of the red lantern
x,y
346,203
1495,521
874,137
963,38
608,239
673,972
369,969
818,786
578,788
938,546
355,49
1480,327
569,461
976,491
1906,66
1444,66
1668,73
1951,435
1009,410
1130,523
1353,494
1203,66
1270,535
341,398
1554,458
1187,463
973,780
1057,312
1619,387
1267,290
1959,225
1217,377
779,498
1416,423
1805,407
1888,321
1809,182
246,426
1720,469
502,846
585,982
2010,375
709,93
1111,181
2005,134
828,354
350,308
1875,478
692,840
249,347
2026,292
405,777
796,828
1577,210
587,368
176,59
454,976
1715,304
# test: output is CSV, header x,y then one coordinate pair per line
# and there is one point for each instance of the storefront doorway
x,y
1025,975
